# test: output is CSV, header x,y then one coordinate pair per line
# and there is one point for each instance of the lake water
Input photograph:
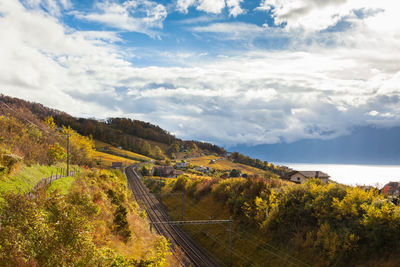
x,y
375,175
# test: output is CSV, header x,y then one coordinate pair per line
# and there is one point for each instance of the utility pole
x,y
182,206
67,154
230,241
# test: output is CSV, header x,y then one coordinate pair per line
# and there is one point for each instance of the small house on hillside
x,y
163,171
116,165
182,148
213,161
182,164
301,177
203,169
392,189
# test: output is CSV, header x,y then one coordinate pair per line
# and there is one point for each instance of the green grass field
x,y
26,177
62,185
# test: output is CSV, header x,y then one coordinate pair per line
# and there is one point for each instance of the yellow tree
x,y
81,147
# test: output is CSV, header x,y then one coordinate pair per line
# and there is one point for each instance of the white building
x,y
301,177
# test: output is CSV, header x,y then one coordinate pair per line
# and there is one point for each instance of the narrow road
x,y
195,255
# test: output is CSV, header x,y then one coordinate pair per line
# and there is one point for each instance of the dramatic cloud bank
x,y
339,68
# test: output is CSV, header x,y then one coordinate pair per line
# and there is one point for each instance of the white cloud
x,y
317,91
133,15
54,7
233,30
211,6
43,60
318,15
234,7
201,19
183,5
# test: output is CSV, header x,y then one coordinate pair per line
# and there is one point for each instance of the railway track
x,y
194,254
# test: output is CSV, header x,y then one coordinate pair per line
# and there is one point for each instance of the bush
x,y
327,224
234,173
121,225
144,171
180,183
44,232
8,162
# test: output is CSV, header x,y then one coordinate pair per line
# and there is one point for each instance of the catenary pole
x,y
230,241
67,154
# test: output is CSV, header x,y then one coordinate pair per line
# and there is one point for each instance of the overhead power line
x,y
32,123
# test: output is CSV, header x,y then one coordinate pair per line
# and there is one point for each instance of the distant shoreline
x,y
350,164
352,174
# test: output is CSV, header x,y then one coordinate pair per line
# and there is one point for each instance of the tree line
x,y
134,135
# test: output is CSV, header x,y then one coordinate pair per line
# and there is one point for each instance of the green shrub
x,y
121,225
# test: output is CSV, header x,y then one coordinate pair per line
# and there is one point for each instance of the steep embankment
x,y
279,224
95,223
24,178
90,219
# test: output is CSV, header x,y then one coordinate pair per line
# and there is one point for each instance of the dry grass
x,y
142,243
108,159
121,152
225,164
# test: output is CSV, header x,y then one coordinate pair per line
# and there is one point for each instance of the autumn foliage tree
x,y
81,147
56,153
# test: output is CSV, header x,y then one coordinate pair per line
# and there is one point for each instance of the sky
x,y
224,71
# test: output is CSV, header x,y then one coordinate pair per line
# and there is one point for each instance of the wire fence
x,y
60,173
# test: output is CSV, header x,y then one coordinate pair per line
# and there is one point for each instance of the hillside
x,y
133,135
86,219
91,219
135,140
284,224
109,149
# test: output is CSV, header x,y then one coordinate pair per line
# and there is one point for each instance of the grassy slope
x,y
120,152
26,177
62,185
108,159
90,189
225,164
143,242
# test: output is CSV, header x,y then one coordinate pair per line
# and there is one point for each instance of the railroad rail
x,y
195,255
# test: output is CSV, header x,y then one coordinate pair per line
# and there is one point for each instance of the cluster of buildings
x,y
300,177
163,171
203,169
